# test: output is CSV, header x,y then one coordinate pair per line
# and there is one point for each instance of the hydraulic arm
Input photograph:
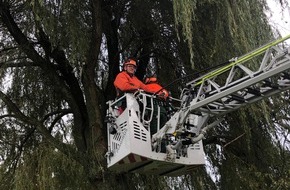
x,y
245,80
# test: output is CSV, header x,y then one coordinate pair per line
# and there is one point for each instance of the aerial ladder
x,y
176,148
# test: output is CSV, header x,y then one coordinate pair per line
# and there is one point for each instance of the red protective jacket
x,y
156,88
126,83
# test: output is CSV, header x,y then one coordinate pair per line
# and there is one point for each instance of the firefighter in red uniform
x,y
155,88
126,81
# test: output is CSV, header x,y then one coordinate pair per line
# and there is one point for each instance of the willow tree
x,y
51,108
55,77
58,62
253,144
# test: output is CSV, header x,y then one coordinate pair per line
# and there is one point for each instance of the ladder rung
x,y
253,91
237,97
268,83
211,106
285,75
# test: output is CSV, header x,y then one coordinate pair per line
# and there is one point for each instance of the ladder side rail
x,y
239,60
241,86
201,101
230,78
221,112
249,73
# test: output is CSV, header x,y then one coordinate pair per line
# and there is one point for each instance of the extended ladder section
x,y
257,75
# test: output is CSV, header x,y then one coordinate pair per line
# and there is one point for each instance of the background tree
x,y
58,62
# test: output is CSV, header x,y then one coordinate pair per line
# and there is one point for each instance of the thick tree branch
x,y
17,34
55,121
7,115
66,82
13,108
7,49
68,76
62,112
66,149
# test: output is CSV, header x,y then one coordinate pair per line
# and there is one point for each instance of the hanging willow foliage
x,y
47,168
218,31
64,20
184,15
212,26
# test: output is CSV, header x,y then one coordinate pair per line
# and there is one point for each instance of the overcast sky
x,y
279,17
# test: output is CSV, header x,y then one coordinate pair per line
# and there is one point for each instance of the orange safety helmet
x,y
130,62
150,80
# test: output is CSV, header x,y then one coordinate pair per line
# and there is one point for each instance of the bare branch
x,y
55,121
235,139
62,112
8,49
17,34
7,115
18,64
